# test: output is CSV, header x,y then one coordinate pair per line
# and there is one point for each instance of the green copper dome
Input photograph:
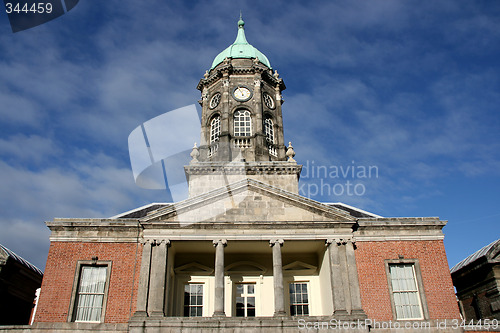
x,y
240,49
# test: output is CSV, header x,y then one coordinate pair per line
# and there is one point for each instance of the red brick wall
x,y
435,273
59,275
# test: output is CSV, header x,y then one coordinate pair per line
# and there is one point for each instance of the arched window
x,y
215,129
242,123
269,130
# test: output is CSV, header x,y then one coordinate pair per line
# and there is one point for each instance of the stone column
x,y
219,278
157,279
339,302
142,290
356,308
279,294
341,245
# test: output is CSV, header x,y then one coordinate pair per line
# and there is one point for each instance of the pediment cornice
x,y
327,213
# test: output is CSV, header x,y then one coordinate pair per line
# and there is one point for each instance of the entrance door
x,y
245,300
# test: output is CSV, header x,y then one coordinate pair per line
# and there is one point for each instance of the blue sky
x,y
411,87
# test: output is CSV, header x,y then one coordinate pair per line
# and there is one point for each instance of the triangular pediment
x,y
248,201
192,268
299,267
245,267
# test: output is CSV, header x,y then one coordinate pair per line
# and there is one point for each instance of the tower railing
x,y
212,149
272,150
242,143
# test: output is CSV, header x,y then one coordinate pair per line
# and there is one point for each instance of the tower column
x,y
279,294
142,290
219,278
157,280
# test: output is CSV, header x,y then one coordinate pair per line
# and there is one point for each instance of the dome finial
x,y
241,23
240,49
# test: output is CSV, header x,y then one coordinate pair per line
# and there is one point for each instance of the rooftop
x,y
19,259
144,210
485,252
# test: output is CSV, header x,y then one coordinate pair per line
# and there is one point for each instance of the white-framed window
x,y
90,297
299,299
193,300
242,123
215,129
404,288
269,130
245,300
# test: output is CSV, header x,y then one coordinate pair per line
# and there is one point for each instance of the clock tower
x,y
242,120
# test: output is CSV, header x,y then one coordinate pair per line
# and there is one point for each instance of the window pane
x,y
239,289
244,300
193,300
199,289
242,123
250,288
405,291
269,130
215,129
90,294
299,299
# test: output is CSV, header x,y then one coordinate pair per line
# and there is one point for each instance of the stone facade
x,y
269,231
245,252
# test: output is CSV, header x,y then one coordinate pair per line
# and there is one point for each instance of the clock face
x,y
269,101
242,93
215,100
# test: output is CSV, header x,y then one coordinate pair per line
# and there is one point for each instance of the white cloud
x,y
28,149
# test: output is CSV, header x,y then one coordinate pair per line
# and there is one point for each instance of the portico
x,y
263,273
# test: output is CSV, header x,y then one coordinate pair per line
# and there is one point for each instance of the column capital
x,y
159,241
351,241
273,242
339,241
220,241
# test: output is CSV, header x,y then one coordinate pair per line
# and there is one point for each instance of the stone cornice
x,y
94,230
230,68
254,225
400,228
340,226
387,222
249,168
